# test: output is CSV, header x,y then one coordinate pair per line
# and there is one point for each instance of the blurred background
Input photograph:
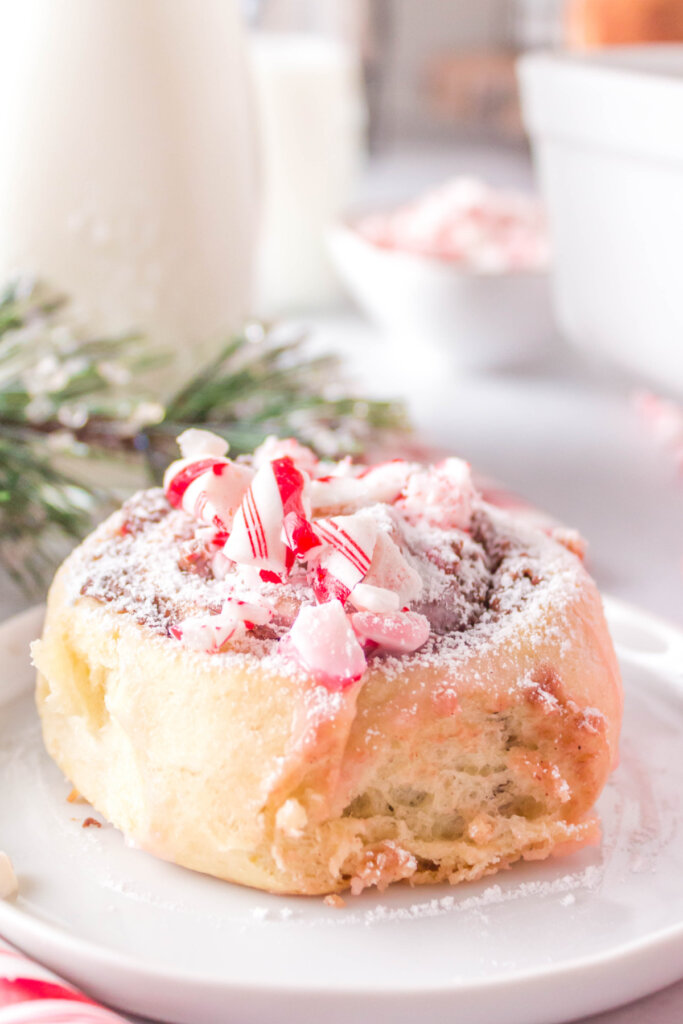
x,y
476,206
373,105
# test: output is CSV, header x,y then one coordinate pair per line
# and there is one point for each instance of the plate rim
x,y
123,962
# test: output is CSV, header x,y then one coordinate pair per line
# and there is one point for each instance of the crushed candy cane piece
x,y
208,633
466,222
442,495
326,646
381,484
305,459
223,490
327,587
347,555
182,473
259,528
249,576
298,534
208,489
397,633
336,494
8,879
256,537
221,565
385,482
251,609
195,443
390,570
239,613
367,598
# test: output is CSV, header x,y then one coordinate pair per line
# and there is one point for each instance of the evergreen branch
x,y
69,402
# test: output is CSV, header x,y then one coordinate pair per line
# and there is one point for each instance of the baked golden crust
x,y
490,744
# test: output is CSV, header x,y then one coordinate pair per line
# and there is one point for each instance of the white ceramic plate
x,y
540,944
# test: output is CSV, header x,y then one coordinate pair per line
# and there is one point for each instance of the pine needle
x,y
67,400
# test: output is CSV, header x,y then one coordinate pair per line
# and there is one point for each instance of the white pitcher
x,y
126,161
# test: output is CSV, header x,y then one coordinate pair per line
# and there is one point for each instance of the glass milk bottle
x,y
306,62
126,161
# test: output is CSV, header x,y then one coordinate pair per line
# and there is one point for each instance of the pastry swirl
x,y
488,742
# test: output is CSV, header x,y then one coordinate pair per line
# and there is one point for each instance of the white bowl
x,y
479,320
607,130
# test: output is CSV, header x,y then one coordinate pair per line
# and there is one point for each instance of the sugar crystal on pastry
x,y
308,676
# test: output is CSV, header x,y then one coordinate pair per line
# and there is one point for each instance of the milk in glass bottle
x,y
126,161
310,107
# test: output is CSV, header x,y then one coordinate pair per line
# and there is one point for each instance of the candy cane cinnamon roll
x,y
307,676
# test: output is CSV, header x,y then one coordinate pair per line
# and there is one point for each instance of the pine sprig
x,y
69,401
39,505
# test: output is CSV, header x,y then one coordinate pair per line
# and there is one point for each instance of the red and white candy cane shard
x,y
390,571
276,492
383,483
208,633
210,490
298,534
367,598
195,443
274,448
224,487
251,609
396,633
336,494
325,645
349,544
327,587
442,495
182,473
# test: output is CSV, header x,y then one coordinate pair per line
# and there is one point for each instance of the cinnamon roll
x,y
307,676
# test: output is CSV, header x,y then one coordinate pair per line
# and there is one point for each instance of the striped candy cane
x,y
271,525
344,562
30,994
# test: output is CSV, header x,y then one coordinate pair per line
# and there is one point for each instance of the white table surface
x,y
564,437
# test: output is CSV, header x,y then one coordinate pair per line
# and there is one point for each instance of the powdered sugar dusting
x,y
494,895
567,889
478,586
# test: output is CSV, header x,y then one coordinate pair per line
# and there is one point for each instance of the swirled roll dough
x,y
489,744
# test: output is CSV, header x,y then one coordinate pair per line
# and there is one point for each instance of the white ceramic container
x,y
474,321
607,130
